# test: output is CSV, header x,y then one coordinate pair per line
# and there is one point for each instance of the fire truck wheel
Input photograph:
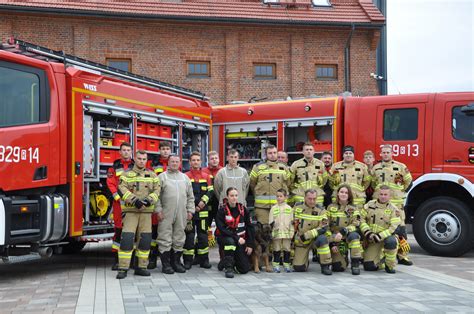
x,y
73,247
444,226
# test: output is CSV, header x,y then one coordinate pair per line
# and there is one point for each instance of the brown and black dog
x,y
261,254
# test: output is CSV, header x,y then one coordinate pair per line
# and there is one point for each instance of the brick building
x,y
228,49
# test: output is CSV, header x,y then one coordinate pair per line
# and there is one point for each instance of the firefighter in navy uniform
x,y
120,165
159,165
235,234
212,170
140,190
203,192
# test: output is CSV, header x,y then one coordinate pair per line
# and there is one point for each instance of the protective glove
x,y
189,226
322,230
146,202
303,238
138,204
375,237
404,246
343,231
367,234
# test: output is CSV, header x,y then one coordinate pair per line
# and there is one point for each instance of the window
x,y
121,64
271,1
326,72
463,124
25,100
199,69
321,3
264,71
400,124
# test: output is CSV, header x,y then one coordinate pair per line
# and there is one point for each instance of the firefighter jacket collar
x,y
139,170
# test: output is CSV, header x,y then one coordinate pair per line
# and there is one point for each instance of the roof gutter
x,y
101,14
347,61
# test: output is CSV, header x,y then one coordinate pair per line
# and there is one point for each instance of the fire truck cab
x,y
433,134
62,120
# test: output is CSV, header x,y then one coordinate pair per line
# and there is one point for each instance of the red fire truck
x,y
433,134
62,120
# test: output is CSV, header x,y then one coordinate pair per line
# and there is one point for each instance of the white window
x,y
321,3
271,1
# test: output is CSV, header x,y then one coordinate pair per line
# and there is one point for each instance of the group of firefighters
x,y
346,213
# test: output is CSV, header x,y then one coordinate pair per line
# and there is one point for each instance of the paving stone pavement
x,y
84,283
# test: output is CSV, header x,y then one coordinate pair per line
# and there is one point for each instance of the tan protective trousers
x,y
135,224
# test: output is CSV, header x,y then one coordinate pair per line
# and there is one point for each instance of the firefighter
x,y
350,172
212,170
120,165
312,226
232,176
308,173
140,190
235,233
344,220
379,220
326,158
158,164
398,178
281,221
266,178
203,192
282,157
175,208
369,159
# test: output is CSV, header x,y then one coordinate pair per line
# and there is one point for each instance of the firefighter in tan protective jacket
x,y
266,178
379,220
352,173
140,190
398,178
308,173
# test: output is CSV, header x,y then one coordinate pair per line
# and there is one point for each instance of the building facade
x,y
230,49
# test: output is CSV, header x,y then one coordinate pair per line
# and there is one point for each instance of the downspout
x,y
347,61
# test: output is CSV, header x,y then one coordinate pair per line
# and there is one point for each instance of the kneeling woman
x,y
235,234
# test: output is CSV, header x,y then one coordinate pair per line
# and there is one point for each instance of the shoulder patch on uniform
x,y
131,174
261,167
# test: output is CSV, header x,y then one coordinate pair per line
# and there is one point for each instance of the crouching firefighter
x,y
379,221
344,219
312,228
235,234
140,189
203,191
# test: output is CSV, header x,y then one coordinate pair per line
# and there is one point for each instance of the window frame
x,y
201,74
120,60
326,78
417,110
44,114
455,107
264,77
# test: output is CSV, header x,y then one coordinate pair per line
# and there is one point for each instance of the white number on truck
x,y
16,154
408,150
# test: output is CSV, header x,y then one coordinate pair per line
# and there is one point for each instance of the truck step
x,y
97,237
20,258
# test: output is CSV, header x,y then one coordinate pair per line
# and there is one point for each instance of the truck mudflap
x,y
2,222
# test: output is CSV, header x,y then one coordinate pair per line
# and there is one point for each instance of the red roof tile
x,y
341,11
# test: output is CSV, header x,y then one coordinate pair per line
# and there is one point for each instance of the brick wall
x,y
160,50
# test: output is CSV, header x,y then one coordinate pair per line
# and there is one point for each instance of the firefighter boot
x,y
141,272
355,266
389,270
153,258
325,269
115,265
166,263
188,261
176,262
121,274
229,266
204,261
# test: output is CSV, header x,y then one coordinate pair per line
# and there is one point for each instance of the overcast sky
x,y
430,45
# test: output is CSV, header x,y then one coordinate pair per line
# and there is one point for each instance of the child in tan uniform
x,y
281,220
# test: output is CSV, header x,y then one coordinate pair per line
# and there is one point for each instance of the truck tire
x,y
73,247
444,226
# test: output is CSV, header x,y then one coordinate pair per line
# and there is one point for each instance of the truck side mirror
x,y
468,110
